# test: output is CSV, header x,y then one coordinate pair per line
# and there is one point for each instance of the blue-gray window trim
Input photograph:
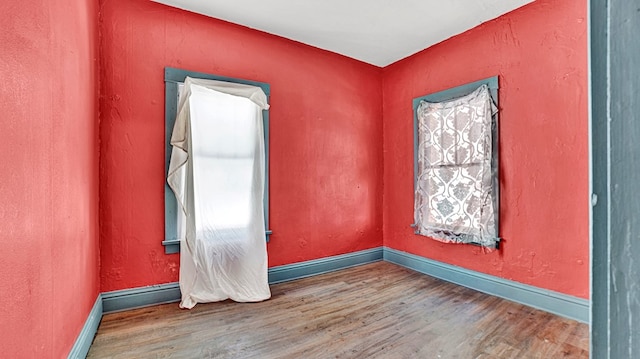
x,y
450,94
172,78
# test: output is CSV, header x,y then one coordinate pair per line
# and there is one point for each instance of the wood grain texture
x,y
377,310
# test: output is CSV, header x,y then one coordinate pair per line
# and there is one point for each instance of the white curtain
x,y
454,199
217,174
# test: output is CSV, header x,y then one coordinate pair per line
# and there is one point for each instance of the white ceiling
x,y
378,32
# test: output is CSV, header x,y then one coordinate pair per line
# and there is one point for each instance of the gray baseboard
x,y
294,271
547,300
85,338
550,301
127,299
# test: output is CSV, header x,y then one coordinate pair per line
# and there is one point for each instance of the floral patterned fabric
x,y
454,199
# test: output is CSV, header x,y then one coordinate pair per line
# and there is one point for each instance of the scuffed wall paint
x,y
325,152
540,54
49,277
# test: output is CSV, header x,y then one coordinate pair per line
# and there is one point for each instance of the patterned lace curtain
x,y
454,199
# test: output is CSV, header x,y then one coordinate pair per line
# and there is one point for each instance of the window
x,y
456,164
173,81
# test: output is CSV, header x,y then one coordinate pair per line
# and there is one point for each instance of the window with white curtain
x,y
217,174
456,164
226,155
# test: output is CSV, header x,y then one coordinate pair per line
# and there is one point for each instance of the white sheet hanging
x,y
217,174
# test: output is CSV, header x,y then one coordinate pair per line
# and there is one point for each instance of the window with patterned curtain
x,y
456,164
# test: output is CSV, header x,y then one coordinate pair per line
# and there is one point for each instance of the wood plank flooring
x,y
377,310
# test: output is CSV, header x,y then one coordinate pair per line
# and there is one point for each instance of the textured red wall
x,y
49,278
326,134
540,53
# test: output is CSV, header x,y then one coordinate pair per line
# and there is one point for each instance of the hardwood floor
x,y
377,310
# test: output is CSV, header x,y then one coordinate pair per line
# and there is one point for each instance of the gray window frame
x,y
173,77
450,94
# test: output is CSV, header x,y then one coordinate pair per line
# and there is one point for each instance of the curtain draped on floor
x,y
217,175
454,200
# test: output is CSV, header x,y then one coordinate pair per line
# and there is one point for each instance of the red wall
x,y
49,277
540,53
326,134
326,157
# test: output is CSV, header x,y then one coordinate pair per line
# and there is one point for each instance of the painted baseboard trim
x,y
127,299
85,338
133,298
547,300
310,268
550,301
